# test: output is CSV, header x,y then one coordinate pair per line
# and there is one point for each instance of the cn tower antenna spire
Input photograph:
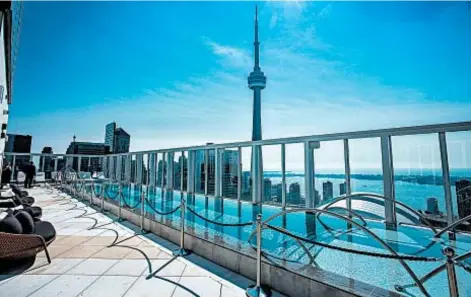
x,y
256,42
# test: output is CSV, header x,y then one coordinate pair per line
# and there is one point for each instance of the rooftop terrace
x,y
96,256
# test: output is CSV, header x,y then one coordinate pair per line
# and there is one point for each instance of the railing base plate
x,y
181,253
254,291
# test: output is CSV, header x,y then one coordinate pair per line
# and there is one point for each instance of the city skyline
x,y
302,47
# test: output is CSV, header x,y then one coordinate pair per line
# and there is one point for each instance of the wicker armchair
x,y
20,246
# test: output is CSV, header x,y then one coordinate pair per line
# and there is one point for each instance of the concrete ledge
x,y
322,283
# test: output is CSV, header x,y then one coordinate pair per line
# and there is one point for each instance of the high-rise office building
x,y
343,188
432,205
327,190
230,159
117,139
46,163
110,139
463,195
294,194
267,189
18,144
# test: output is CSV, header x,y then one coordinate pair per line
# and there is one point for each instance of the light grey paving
x,y
129,268
173,268
112,286
201,286
232,292
65,286
153,287
92,267
24,285
58,266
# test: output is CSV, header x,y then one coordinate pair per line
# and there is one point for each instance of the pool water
x,y
284,250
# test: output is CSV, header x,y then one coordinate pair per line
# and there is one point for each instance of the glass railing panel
x,y
418,178
177,170
329,164
230,161
272,187
199,172
295,193
459,158
246,178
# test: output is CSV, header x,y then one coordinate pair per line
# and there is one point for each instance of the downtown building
x,y
88,164
18,144
117,139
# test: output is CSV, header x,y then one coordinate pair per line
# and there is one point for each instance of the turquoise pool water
x,y
283,250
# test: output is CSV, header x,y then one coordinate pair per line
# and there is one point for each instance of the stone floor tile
x,y
151,253
149,288
58,266
93,267
111,252
201,286
113,286
232,292
65,286
168,267
73,240
82,251
129,268
100,240
24,285
55,250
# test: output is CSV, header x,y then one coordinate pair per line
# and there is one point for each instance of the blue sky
x,y
174,73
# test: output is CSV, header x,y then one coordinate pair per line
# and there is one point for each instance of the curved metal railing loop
x,y
452,226
456,260
129,196
393,255
107,193
162,213
353,213
219,223
374,195
101,187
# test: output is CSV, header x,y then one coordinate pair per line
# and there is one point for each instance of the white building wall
x,y
3,88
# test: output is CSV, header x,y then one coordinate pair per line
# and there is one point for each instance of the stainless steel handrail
x,y
367,231
374,195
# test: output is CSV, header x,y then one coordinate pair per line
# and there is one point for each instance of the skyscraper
x,y
327,190
463,195
257,82
117,139
267,189
294,195
18,144
343,188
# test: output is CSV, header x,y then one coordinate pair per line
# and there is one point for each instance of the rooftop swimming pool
x,y
323,231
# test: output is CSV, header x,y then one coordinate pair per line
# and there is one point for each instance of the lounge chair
x,y
21,239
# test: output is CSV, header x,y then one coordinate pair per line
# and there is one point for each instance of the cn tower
x,y
257,82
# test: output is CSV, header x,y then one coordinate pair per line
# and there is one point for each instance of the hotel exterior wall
x,y
3,87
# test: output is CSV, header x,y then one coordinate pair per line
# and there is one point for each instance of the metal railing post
x,y
283,176
120,194
182,251
450,267
446,176
257,290
239,174
348,185
142,209
388,180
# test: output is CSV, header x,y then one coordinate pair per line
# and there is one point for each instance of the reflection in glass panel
x,y
329,170
295,195
272,188
459,158
199,172
230,160
418,178
246,188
